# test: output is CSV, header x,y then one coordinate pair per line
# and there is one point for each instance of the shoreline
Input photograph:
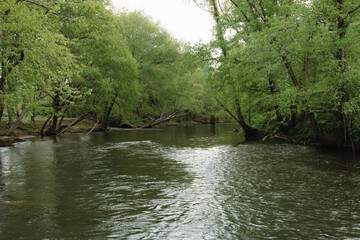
x,y
31,130
8,141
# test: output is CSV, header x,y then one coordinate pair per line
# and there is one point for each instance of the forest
x,y
279,68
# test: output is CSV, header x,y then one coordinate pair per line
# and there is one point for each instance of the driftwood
x,y
175,113
76,121
97,122
283,137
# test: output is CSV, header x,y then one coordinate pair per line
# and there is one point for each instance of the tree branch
x,y
76,121
175,113
246,18
39,5
290,70
262,9
222,11
352,11
48,9
254,9
97,122
201,7
235,4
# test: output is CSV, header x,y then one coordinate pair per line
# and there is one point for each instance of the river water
x,y
195,182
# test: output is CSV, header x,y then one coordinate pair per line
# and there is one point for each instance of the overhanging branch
x,y
352,11
233,2
48,9
39,5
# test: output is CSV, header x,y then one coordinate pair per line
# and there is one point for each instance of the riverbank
x,y
30,129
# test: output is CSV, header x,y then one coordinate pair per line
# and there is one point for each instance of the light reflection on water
x,y
179,183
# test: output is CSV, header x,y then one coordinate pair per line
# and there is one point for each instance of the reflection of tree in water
x,y
104,181
124,185
26,179
213,129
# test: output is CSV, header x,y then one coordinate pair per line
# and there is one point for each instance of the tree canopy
x,y
276,67
81,59
290,67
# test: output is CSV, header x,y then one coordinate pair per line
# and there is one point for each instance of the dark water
x,y
179,183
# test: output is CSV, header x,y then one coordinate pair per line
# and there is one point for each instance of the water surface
x,y
178,183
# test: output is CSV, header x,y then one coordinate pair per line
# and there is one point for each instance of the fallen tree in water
x,y
175,113
46,129
250,133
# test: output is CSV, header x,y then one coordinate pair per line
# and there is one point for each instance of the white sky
x,y
183,19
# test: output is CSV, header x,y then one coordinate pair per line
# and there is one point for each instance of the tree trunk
x,y
345,132
139,109
10,120
2,108
290,70
54,122
18,121
2,88
33,117
52,129
62,117
249,132
219,31
105,121
44,126
273,91
212,119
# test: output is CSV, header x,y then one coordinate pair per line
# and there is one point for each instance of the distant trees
x,y
80,59
166,75
275,67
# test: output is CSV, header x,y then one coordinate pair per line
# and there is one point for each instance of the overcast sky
x,y
183,19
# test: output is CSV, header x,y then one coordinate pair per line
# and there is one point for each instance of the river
x,y
196,182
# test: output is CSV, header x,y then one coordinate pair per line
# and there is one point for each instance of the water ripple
x,y
182,183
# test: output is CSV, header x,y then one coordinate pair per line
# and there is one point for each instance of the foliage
x,y
291,65
169,76
80,59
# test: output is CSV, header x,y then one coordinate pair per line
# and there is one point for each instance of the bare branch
x,y
97,122
201,7
262,9
246,18
221,9
235,4
76,121
175,113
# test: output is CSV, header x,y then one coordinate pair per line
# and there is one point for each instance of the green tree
x,y
35,60
290,66
158,56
